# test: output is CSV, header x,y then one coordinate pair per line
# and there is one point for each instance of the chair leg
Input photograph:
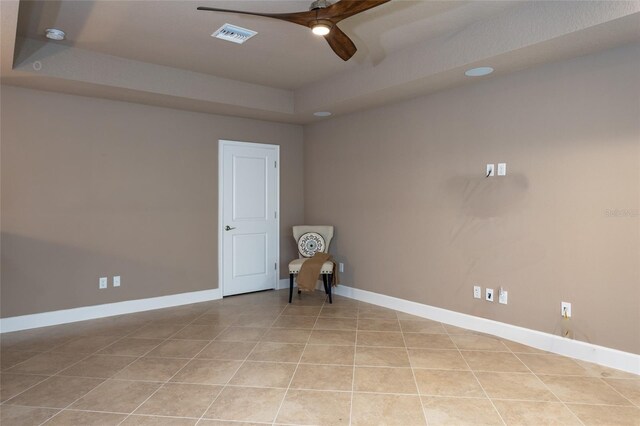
x,y
329,284
290,287
324,281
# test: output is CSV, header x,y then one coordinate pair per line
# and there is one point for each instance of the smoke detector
x,y
233,33
54,34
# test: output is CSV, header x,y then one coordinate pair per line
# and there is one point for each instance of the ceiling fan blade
x,y
341,43
301,18
346,8
338,40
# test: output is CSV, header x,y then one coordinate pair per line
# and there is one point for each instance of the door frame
x,y
221,144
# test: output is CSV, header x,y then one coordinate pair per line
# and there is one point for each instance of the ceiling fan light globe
x,y
321,29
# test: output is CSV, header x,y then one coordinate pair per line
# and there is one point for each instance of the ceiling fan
x,y
322,18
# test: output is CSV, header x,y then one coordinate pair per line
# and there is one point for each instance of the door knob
x,y
229,228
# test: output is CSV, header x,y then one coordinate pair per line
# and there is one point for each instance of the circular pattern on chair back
x,y
310,243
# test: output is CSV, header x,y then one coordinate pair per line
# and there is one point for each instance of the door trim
x,y
221,144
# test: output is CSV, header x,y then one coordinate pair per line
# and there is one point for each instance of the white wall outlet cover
x,y
502,169
565,309
341,267
477,292
102,283
116,281
489,294
503,297
491,170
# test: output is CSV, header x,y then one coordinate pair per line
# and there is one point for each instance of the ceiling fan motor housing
x,y
319,4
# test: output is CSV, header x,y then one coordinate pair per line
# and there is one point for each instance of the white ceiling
x,y
161,52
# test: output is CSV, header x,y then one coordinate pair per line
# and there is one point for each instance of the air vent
x,y
234,34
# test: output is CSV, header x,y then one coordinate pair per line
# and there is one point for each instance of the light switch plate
x,y
502,169
503,297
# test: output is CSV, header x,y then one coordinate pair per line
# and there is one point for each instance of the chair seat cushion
x,y
295,265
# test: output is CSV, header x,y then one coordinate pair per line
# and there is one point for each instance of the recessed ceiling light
x,y
54,34
478,72
322,114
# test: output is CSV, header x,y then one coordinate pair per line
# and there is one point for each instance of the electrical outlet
x,y
503,296
489,294
565,309
116,281
490,170
502,169
341,267
102,283
477,292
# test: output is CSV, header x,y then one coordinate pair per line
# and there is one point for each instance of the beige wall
x,y
94,188
416,219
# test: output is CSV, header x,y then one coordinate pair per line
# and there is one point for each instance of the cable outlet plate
x,y
489,294
503,297
477,292
491,171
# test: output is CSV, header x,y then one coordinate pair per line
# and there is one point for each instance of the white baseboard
x,y
283,283
25,322
548,342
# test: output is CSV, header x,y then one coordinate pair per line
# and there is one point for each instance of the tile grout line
x,y
146,323
549,389
146,355
30,387
298,364
180,369
353,370
224,386
619,393
53,349
332,391
353,374
103,379
187,363
476,377
413,374
56,374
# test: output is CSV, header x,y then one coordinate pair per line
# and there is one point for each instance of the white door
x,y
249,220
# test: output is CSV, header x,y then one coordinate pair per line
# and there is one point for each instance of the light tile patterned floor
x,y
254,359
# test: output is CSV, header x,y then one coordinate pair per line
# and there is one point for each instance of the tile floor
x,y
254,359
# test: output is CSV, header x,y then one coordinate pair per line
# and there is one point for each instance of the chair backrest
x,y
325,230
